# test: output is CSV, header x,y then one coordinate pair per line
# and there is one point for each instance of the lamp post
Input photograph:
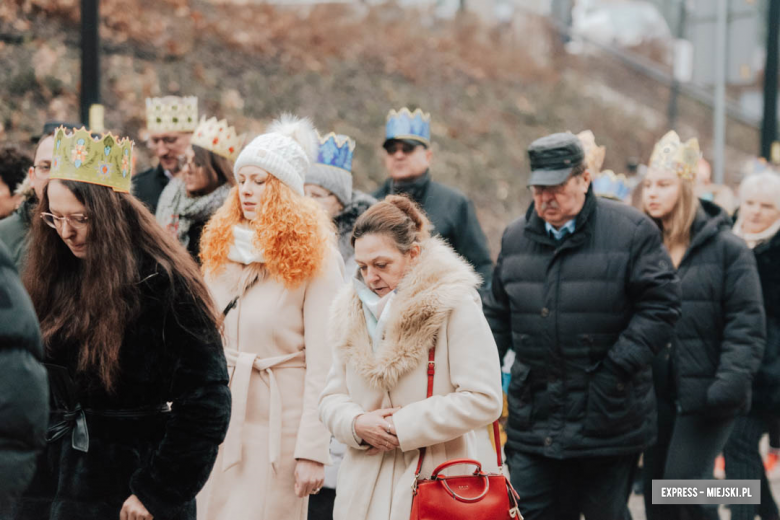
x,y
769,126
90,57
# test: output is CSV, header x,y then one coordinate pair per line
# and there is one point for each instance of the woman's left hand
x,y
391,430
309,477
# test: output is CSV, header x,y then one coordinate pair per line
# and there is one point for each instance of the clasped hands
x,y
377,429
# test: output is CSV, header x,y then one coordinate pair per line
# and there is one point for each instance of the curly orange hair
x,y
293,232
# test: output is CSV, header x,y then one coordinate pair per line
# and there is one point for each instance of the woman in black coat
x,y
759,225
128,327
703,379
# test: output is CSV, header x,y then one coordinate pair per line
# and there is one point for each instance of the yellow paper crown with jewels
x,y
79,156
594,155
218,137
672,154
172,114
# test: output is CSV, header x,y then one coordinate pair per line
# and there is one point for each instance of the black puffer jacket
x,y
586,317
766,386
24,391
719,340
148,185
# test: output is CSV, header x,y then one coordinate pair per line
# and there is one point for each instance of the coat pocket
x,y
520,397
611,408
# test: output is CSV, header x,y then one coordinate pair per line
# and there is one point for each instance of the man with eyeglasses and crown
x,y
170,121
408,160
15,228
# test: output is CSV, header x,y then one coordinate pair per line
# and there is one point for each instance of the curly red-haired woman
x,y
271,263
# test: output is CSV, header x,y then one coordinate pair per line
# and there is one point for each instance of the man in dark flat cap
x,y
586,296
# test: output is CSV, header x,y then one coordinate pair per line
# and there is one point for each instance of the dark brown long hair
x,y
92,301
218,169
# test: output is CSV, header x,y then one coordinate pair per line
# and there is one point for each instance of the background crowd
x,y
241,332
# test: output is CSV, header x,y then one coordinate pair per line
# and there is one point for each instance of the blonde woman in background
x,y
703,378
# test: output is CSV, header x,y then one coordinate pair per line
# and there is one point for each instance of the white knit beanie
x,y
286,151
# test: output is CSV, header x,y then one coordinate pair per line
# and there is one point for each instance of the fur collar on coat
x,y
437,283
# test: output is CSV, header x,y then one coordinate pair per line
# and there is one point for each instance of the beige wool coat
x,y
436,303
278,358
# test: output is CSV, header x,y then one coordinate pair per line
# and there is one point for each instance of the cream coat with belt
x,y
278,356
436,303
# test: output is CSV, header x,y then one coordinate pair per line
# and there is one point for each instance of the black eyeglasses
x,y
76,221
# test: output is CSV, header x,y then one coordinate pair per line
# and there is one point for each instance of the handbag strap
x,y
232,304
496,435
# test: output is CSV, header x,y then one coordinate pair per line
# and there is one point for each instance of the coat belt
x,y
75,422
244,363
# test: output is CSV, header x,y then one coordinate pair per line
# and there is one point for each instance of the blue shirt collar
x,y
557,234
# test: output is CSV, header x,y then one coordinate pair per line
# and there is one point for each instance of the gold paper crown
x,y
172,114
218,137
594,155
80,157
671,154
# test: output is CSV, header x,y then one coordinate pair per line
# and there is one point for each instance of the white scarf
x,y
754,239
243,249
376,309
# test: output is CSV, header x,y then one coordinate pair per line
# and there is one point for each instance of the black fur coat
x,y
170,355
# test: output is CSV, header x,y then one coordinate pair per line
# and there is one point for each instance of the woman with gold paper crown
x,y
702,379
129,327
189,200
271,261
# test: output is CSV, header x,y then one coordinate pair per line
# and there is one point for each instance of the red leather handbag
x,y
474,496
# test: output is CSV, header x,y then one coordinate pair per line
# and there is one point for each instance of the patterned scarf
x,y
177,211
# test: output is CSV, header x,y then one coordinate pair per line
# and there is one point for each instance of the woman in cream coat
x,y
411,293
272,265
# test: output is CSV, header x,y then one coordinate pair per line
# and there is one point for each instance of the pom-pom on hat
x,y
286,151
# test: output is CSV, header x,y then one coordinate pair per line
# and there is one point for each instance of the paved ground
x,y
637,506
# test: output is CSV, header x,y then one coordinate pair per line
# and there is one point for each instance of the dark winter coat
x,y
586,316
170,354
14,230
24,391
148,185
766,385
453,217
719,339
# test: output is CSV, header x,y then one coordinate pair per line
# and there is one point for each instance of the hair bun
x,y
414,212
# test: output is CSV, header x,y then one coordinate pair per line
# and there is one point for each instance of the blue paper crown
x,y
336,151
611,186
404,124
